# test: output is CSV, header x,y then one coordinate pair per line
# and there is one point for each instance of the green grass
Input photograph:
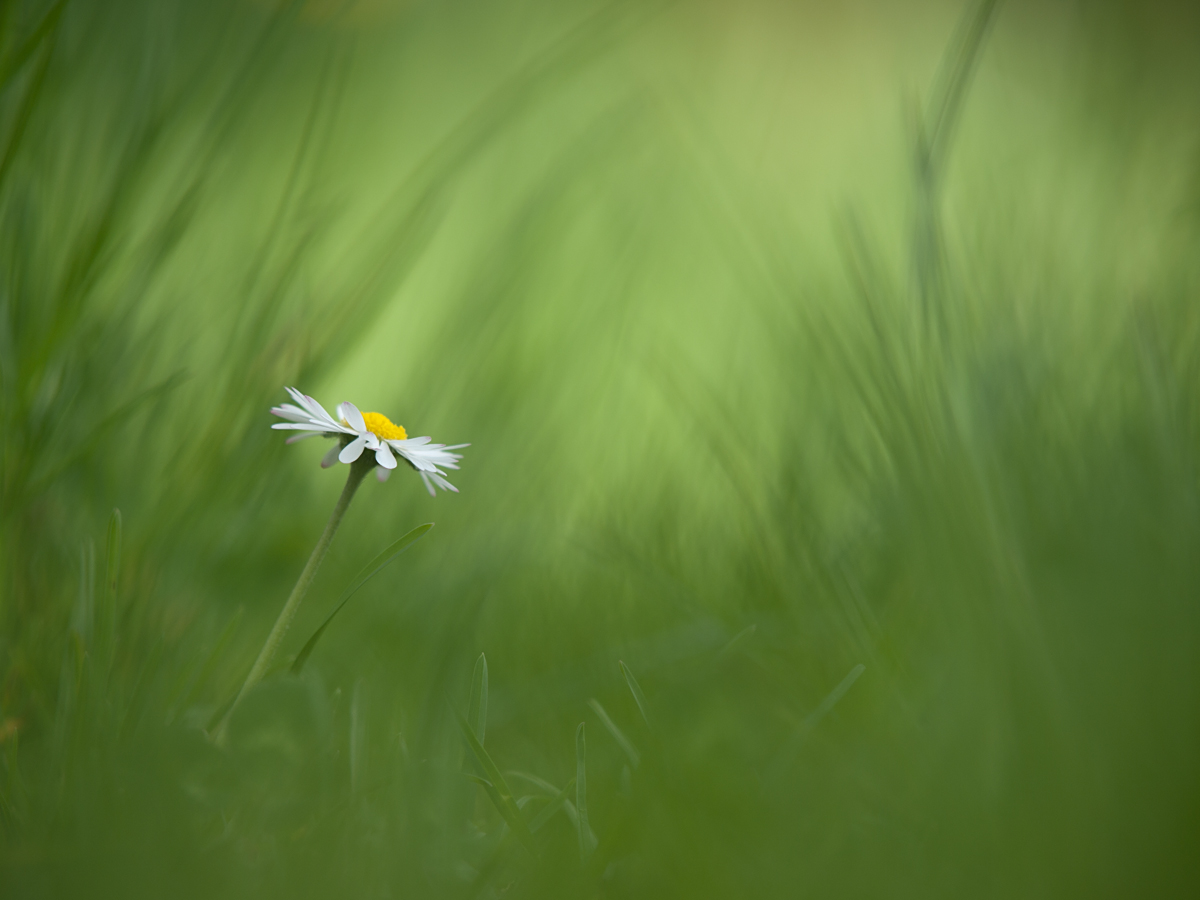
x,y
830,524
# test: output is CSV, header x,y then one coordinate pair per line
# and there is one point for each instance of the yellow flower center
x,y
383,427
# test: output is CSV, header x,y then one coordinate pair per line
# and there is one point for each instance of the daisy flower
x,y
358,432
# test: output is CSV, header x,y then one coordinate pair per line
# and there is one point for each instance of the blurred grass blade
x,y
372,568
18,56
804,729
738,640
107,614
215,655
112,559
618,735
584,829
542,783
555,804
636,690
477,711
501,793
953,78
494,861
831,699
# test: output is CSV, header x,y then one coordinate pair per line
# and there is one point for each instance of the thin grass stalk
x,y
358,471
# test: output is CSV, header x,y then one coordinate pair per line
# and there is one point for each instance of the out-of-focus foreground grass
x,y
832,366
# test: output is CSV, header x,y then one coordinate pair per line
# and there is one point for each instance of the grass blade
x,y
477,711
737,641
811,720
107,617
500,792
584,830
618,735
372,568
636,690
792,746
552,807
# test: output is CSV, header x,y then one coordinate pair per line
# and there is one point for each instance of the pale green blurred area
x,y
664,266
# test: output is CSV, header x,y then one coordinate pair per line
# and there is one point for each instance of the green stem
x,y
358,470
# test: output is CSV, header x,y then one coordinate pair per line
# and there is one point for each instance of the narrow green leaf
x,y
542,783
584,830
552,807
217,717
477,711
811,720
493,795
107,613
636,690
492,864
792,745
504,795
113,553
618,735
735,642
214,656
372,568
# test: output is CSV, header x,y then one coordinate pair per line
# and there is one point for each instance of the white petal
x,y
427,458
432,478
308,408
300,437
442,483
330,457
382,474
287,411
383,456
351,414
318,410
353,450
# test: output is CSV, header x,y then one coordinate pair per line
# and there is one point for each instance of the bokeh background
x,y
833,366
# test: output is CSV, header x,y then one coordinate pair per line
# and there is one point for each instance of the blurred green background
x,y
834,367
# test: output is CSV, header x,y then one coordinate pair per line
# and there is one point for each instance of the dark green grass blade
x,y
501,793
636,690
372,568
618,735
831,699
477,711
738,640
805,728
585,843
555,804
107,614
112,558
496,859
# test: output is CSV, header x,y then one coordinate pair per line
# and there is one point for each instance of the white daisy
x,y
359,431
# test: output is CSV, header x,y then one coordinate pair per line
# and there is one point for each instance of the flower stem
x,y
358,470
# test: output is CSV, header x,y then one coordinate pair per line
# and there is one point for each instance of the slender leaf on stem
x,y
477,711
618,735
372,568
636,690
503,795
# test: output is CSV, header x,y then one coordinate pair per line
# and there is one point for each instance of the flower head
x,y
358,432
